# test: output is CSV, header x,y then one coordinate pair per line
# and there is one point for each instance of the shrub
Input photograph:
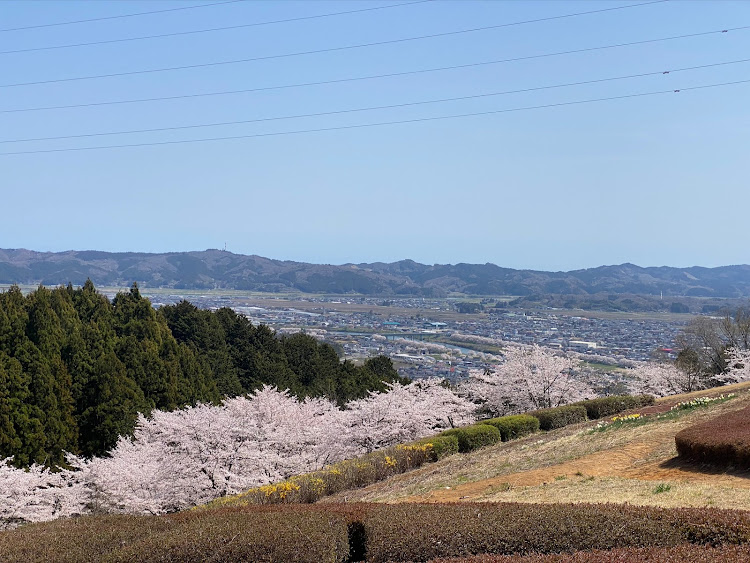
x,y
440,446
722,441
557,417
678,554
474,437
514,426
421,532
341,476
232,535
607,406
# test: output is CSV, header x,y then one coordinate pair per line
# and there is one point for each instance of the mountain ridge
x,y
209,269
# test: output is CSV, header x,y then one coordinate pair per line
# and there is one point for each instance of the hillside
x,y
220,269
634,464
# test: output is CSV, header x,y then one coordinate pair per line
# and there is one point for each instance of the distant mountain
x,y
220,269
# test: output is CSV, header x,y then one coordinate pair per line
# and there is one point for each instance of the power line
x,y
382,123
374,108
213,29
371,77
39,26
327,50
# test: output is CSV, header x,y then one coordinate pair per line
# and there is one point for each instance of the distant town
x,y
431,338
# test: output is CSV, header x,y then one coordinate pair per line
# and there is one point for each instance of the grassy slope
x,y
634,464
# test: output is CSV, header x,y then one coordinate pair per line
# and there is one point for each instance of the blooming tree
x,y
529,378
738,366
663,379
178,459
405,413
37,494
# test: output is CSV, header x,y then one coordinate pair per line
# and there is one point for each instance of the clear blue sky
x,y
653,180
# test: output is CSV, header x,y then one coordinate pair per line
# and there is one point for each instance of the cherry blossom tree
x,y
37,494
529,378
738,366
662,379
405,413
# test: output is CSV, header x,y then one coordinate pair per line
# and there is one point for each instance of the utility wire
x,y
327,50
382,123
374,108
360,78
210,30
39,26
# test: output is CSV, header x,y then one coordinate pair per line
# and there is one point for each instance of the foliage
x,y
514,426
76,369
398,532
178,459
722,441
421,532
607,406
557,417
473,437
226,535
440,446
675,554
529,378
345,475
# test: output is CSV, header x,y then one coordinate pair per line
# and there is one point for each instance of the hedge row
x,y
607,406
440,446
473,437
722,441
679,554
218,536
342,476
514,426
374,532
557,417
414,532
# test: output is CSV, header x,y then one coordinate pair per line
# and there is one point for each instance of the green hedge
x,y
514,426
474,437
607,406
442,446
557,417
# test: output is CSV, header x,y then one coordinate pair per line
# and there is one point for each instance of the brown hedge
x,y
421,532
687,553
371,532
224,535
722,441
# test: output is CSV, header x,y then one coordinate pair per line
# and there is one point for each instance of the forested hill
x,y
220,269
76,368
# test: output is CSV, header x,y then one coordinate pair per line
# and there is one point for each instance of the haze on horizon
x,y
658,179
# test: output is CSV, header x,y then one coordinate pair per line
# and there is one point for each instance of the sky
x,y
550,176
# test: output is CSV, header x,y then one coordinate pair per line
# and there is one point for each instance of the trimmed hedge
x,y
222,536
372,532
722,441
679,554
441,446
474,437
421,532
557,417
514,426
607,406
